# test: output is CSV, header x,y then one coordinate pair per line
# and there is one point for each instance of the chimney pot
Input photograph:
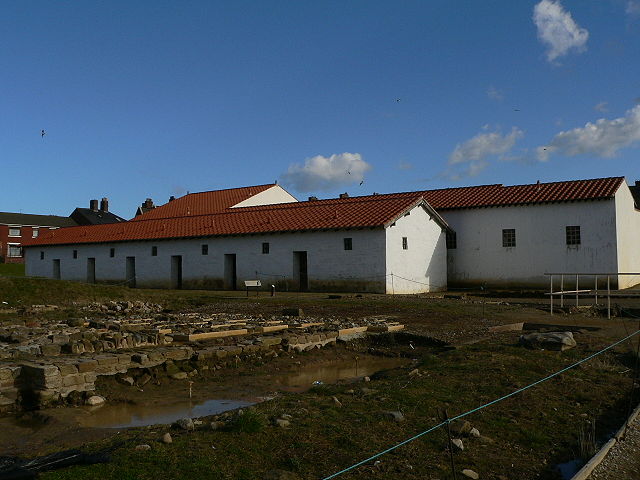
x,y
344,195
313,199
104,204
93,205
172,198
637,183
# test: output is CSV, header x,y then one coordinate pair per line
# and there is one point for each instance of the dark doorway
x,y
230,277
176,271
300,272
56,268
91,270
130,272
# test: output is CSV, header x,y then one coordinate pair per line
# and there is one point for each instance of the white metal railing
x,y
585,292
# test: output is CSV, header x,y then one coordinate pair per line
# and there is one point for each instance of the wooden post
x,y
608,297
453,464
551,292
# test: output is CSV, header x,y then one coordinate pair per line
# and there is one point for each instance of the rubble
x,y
45,362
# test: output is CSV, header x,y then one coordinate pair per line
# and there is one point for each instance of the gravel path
x,y
623,460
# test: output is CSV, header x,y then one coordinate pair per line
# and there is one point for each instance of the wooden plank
x,y
348,331
194,337
384,328
272,328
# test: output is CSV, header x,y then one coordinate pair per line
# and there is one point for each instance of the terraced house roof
x,y
499,195
210,213
357,212
203,203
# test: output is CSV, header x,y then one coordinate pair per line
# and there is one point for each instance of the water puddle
x,y
568,469
300,380
127,415
334,372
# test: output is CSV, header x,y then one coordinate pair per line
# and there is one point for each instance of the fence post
x,y
453,464
608,297
551,292
562,291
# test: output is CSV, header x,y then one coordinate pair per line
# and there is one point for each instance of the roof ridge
x,y
227,189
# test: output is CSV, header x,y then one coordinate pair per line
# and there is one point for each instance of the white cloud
x,y
557,29
494,94
470,158
603,138
483,145
633,8
326,173
601,107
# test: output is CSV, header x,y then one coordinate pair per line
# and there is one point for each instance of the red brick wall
x,y
5,239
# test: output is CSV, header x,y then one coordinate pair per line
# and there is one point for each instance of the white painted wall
x,y
330,267
270,196
628,237
541,246
423,266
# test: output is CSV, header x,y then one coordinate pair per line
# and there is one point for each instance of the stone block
x,y
74,379
140,358
67,369
59,339
88,365
107,360
90,377
50,349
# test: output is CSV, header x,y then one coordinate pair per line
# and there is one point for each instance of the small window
x,y
75,254
573,235
452,240
509,237
405,243
14,231
348,244
265,248
112,252
14,251
41,255
154,251
204,249
36,232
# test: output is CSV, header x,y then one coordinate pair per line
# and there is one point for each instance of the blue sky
x,y
152,99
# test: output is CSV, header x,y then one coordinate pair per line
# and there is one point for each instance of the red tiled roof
x,y
203,203
354,212
357,212
499,195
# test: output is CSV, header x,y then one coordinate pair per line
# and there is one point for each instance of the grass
x,y
522,436
12,269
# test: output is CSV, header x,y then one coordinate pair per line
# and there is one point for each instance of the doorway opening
x,y
300,272
176,271
56,268
91,270
230,274
130,272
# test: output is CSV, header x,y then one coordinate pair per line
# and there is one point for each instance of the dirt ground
x,y
462,323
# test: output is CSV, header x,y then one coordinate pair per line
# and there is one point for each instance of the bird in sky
x,y
361,182
398,100
42,133
516,109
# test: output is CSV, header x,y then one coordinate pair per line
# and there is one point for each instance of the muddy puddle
x,y
334,372
129,415
299,380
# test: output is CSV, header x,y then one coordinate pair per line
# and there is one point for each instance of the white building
x,y
499,236
511,236
379,243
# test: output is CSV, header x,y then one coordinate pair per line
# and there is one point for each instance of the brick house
x,y
17,227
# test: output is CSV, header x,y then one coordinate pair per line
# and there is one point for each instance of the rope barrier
x,y
481,407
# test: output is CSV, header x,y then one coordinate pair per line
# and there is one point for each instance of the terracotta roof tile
x,y
499,195
208,213
357,212
203,203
